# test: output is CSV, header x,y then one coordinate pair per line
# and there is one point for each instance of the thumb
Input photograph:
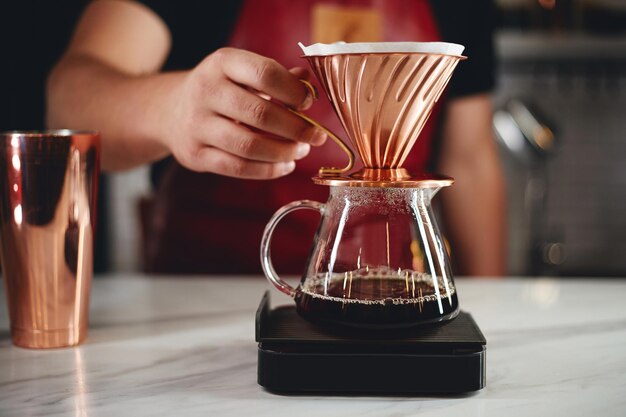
x,y
301,73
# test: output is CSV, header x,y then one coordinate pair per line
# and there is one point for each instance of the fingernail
x,y
286,167
302,150
307,103
316,137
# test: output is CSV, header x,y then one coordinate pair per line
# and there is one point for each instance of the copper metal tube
x,y
48,188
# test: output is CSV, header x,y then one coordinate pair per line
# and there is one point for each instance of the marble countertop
x,y
185,347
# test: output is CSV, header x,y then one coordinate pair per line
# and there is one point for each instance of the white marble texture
x,y
185,347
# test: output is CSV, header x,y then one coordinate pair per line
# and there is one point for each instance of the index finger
x,y
265,75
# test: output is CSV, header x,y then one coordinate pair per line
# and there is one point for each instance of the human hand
x,y
220,123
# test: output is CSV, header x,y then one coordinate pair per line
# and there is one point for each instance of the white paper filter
x,y
338,48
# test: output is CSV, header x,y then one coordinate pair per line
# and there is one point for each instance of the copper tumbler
x,y
48,189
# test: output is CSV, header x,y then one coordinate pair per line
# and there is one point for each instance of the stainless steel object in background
x,y
523,132
567,205
528,140
48,188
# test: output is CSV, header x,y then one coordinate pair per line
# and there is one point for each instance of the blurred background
x,y
560,118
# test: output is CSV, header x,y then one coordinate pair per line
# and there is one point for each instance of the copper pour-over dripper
x,y
383,101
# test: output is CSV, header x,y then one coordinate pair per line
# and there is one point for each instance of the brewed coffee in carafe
x,y
378,259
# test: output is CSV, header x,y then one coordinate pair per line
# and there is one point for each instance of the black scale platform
x,y
296,356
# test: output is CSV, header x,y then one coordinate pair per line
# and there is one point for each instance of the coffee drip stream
x,y
378,259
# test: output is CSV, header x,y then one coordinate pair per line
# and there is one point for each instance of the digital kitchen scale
x,y
296,356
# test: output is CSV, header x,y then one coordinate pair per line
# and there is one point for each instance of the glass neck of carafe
x,y
382,195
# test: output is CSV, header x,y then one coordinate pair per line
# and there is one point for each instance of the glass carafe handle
x,y
266,260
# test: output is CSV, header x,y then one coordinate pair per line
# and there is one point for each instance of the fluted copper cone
x,y
383,99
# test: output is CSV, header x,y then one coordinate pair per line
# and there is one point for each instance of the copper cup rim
x,y
60,133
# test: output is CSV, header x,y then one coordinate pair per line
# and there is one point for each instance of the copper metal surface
x,y
342,145
48,188
383,100
389,178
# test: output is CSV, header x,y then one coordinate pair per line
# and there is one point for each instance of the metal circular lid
x,y
387,178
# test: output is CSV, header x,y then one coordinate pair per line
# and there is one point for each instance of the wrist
x,y
162,111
